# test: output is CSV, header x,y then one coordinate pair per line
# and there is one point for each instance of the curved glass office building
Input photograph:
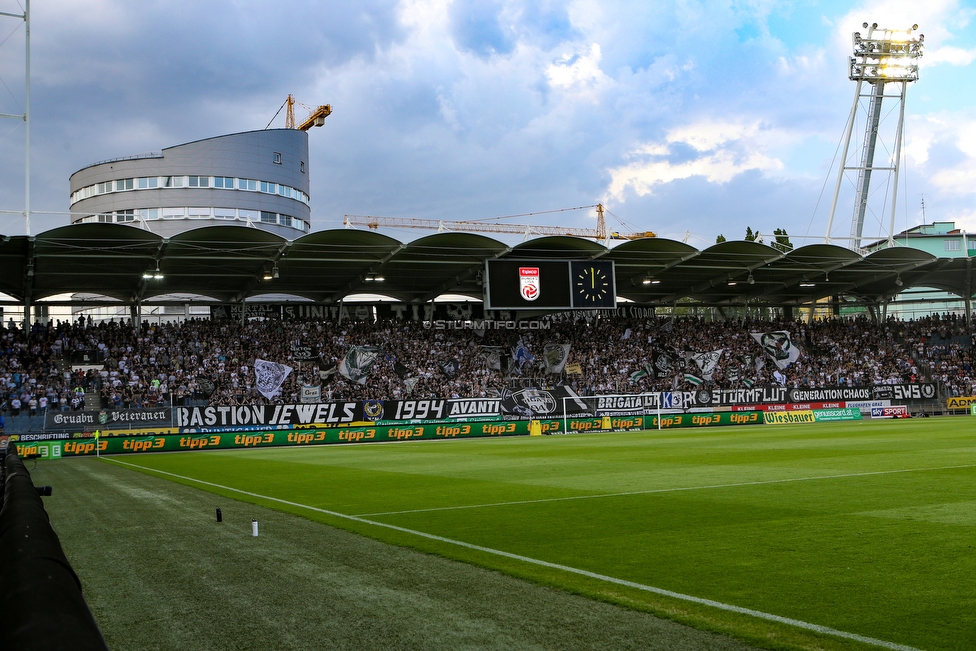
x,y
256,177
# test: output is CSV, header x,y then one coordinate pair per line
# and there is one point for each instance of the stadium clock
x,y
593,285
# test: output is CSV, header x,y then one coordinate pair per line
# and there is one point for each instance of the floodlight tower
x,y
884,57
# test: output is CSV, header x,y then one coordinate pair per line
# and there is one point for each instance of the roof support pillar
x,y
27,317
969,282
135,314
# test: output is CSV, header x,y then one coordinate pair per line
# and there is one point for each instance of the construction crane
x,y
599,233
316,116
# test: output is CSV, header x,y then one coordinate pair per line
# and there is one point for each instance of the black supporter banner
x,y
334,413
79,421
353,311
544,403
524,403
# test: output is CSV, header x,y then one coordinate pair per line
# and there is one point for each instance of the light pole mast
x,y
885,57
26,114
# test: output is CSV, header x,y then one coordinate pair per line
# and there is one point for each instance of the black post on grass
x,y
41,602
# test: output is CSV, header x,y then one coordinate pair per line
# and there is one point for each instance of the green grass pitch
x,y
865,528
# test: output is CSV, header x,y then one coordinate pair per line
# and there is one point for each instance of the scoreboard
x,y
550,285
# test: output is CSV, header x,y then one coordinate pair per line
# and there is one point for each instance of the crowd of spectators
x,y
55,366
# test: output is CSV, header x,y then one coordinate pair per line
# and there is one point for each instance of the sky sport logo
x,y
529,283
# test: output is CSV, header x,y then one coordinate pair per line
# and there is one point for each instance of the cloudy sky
x,y
683,117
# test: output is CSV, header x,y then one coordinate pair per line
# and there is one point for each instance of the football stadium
x,y
223,429
479,474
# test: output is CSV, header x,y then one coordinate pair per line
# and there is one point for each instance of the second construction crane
x,y
472,226
316,116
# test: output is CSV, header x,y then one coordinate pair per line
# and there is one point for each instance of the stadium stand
x,y
68,366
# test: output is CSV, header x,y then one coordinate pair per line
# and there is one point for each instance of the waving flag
x,y
270,376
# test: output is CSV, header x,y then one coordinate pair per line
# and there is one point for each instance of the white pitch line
x,y
658,490
824,630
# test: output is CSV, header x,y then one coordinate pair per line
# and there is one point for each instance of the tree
x,y
719,239
783,240
750,236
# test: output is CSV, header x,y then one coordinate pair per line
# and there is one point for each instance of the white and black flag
x,y
357,362
707,361
270,376
662,363
555,356
779,346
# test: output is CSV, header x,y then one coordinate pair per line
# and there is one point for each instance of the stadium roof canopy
x,y
227,264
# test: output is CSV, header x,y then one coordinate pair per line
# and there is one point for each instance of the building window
x,y
301,167
173,213
277,158
953,245
193,181
268,217
225,213
122,216
248,214
198,212
148,213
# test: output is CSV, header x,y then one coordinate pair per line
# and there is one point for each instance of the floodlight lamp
x,y
148,275
267,275
898,280
274,272
750,279
808,284
732,283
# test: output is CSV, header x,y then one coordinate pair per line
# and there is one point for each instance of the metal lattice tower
x,y
882,58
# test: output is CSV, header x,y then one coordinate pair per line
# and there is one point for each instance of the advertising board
x,y
960,402
788,417
895,411
829,415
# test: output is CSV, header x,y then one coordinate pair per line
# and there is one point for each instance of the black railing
x,y
40,595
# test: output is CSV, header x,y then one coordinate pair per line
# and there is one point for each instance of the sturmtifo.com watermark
x,y
487,324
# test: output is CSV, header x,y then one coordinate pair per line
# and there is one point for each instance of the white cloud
x,y
579,74
727,149
942,147
954,56
961,177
